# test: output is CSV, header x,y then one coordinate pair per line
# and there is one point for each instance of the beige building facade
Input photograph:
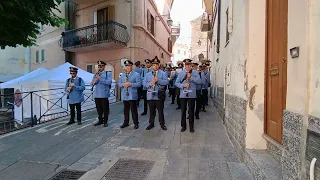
x,y
199,40
115,30
266,77
181,52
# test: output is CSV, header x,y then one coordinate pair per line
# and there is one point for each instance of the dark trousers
x,y
204,98
153,105
73,113
172,91
145,101
178,97
102,106
190,103
139,95
130,105
198,103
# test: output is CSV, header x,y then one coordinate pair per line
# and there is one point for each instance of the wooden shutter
x,y
111,13
148,20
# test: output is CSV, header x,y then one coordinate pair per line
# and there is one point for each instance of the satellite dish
x,y
122,61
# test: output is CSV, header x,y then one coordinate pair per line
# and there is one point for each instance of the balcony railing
x,y
107,32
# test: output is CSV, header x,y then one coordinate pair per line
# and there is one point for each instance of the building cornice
x,y
142,28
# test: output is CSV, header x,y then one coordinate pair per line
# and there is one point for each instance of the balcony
x,y
85,1
107,35
205,23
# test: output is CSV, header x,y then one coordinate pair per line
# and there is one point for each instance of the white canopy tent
x,y
48,97
13,82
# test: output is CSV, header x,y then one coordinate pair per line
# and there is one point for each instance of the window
x,y
162,56
37,56
178,51
43,55
150,23
227,24
89,68
169,45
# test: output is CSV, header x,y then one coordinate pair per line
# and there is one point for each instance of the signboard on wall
x,y
175,30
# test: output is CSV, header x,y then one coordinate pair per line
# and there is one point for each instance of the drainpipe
x,y
132,20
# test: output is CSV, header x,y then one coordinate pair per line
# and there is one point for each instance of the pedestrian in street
x,y
155,82
178,70
74,88
187,81
129,83
138,70
144,89
102,82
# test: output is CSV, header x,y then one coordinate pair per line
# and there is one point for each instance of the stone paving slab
x,y
204,154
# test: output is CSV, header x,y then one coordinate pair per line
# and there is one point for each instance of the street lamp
x,y
199,43
169,20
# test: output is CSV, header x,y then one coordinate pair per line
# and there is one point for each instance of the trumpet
x,y
93,84
70,81
127,79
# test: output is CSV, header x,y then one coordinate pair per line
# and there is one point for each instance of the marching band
x,y
187,86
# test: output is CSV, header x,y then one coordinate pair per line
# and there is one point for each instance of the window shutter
x,y
148,20
95,17
111,12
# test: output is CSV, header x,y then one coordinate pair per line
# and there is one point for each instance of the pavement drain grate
x,y
132,169
68,175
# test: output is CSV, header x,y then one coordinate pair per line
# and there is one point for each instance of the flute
x,y
127,79
93,84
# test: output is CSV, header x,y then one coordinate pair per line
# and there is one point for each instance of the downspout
x,y
132,19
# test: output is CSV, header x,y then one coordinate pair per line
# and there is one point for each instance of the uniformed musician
x,y
129,83
178,70
138,70
187,81
74,88
206,86
144,90
172,86
155,82
198,90
102,82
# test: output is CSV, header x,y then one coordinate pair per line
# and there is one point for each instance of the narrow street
x,y
41,152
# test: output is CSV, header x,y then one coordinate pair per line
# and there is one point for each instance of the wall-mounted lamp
x,y
294,52
169,20
199,43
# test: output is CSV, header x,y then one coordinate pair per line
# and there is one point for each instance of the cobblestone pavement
x,y
40,152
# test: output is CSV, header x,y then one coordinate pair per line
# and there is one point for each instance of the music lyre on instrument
x,y
95,79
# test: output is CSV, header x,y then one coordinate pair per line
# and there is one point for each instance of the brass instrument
x,y
71,80
93,84
127,79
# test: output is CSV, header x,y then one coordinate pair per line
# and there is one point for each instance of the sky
x,y
184,11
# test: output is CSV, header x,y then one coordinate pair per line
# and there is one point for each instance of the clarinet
x,y
127,79
98,73
201,84
154,86
188,81
71,80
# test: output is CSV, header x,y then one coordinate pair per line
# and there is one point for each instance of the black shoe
x,y
136,126
178,108
79,123
163,127
144,113
105,125
188,117
124,125
70,122
191,130
150,127
98,123
172,102
197,117
183,129
204,110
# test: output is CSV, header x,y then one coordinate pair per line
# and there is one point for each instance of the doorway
x,y
276,67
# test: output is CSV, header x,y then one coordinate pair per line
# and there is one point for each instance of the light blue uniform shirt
x,y
152,92
194,80
135,80
203,79
144,73
206,80
76,93
102,86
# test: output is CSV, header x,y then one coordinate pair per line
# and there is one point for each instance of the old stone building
x,y
199,41
266,77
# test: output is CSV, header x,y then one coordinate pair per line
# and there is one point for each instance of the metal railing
x,y
109,31
36,107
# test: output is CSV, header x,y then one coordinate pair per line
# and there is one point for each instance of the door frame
x,y
266,72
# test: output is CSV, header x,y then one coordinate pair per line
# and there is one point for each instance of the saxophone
x,y
71,80
127,79
99,74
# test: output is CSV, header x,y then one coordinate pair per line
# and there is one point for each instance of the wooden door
x,y
276,66
102,18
